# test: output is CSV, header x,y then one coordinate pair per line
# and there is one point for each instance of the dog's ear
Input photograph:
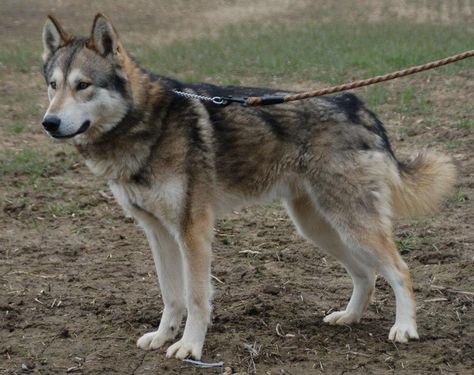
x,y
54,37
104,39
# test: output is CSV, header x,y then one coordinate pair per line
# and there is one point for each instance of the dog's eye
x,y
82,85
53,85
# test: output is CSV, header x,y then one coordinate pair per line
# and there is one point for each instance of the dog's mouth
x,y
81,130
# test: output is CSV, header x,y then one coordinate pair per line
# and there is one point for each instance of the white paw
x,y
153,340
402,332
341,318
182,350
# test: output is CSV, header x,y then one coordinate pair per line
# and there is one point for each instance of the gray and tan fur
x,y
175,163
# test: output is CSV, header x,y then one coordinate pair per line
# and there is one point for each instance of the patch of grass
x,y
407,97
20,104
452,144
405,244
20,56
466,123
326,52
458,198
29,102
15,128
26,162
412,101
60,209
375,96
433,121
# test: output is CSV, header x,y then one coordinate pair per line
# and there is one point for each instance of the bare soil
x,y
78,285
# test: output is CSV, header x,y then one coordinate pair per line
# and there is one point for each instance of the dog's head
x,y
88,88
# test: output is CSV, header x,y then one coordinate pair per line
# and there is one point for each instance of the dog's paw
x,y
153,340
403,332
341,318
182,350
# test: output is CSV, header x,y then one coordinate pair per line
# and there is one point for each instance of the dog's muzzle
x,y
51,124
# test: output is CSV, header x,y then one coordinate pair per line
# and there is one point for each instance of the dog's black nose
x,y
51,123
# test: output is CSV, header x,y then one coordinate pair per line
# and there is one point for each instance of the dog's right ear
x,y
54,37
104,39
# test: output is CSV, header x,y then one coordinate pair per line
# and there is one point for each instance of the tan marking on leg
x,y
370,294
196,249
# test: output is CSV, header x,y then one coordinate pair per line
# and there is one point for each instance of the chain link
x,y
215,99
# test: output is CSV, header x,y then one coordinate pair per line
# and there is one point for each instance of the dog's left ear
x,y
104,39
54,37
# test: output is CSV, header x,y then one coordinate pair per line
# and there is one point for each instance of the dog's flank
x,y
175,163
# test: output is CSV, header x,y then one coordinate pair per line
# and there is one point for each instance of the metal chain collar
x,y
215,99
218,100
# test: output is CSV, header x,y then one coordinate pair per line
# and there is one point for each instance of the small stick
x,y
203,364
253,252
436,300
218,280
449,290
73,369
279,330
357,353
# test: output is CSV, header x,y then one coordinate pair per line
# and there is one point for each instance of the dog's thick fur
x,y
174,163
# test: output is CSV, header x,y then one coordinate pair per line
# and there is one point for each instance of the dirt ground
x,y
78,285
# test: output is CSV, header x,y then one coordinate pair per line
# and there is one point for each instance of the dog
x,y
175,163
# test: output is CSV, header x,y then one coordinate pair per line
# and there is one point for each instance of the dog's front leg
x,y
169,268
195,247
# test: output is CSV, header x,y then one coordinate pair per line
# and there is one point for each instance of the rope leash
x,y
262,100
271,99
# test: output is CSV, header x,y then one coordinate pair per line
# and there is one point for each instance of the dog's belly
x,y
228,199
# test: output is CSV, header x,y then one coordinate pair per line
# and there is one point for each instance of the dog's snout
x,y
51,123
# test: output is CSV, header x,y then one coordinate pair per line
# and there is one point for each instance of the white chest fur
x,y
164,199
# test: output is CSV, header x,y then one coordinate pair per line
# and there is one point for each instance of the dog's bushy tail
x,y
425,181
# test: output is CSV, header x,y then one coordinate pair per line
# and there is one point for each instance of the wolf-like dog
x,y
174,163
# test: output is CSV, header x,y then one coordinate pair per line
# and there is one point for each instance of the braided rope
x,y
257,100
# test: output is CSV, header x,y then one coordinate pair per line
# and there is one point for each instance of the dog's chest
x,y
164,200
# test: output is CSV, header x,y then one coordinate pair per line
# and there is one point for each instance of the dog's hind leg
x,y
395,271
315,228
378,248
168,262
354,198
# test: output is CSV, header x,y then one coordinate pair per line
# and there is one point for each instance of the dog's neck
x,y
146,93
119,154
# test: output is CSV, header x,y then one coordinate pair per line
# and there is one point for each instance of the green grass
x,y
452,144
26,162
466,123
375,96
433,120
411,101
20,55
405,245
15,128
59,209
458,198
406,242
327,52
